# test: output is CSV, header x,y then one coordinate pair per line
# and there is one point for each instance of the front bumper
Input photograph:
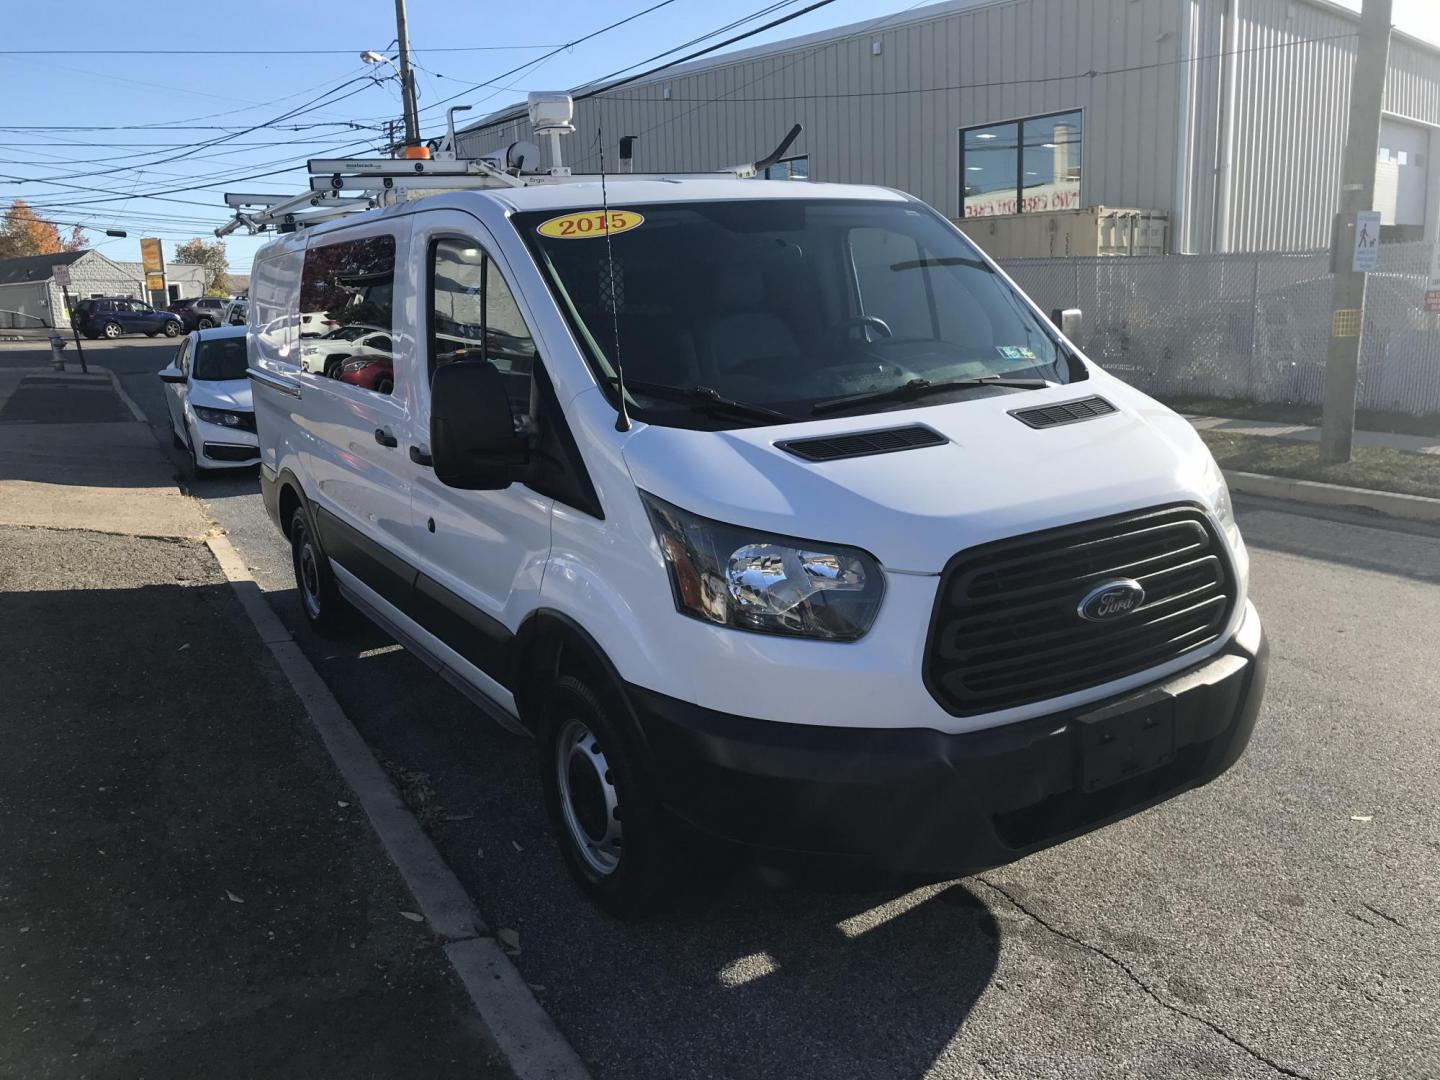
x,y
221,447
914,802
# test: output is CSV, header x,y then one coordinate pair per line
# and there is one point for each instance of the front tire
x,y
172,329
205,324
613,833
325,609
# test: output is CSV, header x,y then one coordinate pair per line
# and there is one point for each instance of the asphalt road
x,y
1284,920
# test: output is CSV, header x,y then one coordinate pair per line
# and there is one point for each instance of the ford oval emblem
x,y
1111,600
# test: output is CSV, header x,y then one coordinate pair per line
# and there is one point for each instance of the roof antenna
x,y
622,418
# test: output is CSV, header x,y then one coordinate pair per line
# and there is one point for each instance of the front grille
x,y
1007,631
230,452
862,443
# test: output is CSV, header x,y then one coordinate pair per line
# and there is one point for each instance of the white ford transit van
x,y
774,512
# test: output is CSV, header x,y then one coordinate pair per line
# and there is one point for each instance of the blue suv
x,y
111,316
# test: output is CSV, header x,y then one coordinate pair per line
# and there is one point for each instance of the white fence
x,y
1253,326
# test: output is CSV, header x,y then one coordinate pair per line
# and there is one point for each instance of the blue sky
x,y
222,93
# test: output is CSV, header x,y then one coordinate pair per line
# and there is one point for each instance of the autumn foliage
x,y
23,233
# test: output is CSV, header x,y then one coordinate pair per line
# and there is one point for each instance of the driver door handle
x,y
420,457
384,438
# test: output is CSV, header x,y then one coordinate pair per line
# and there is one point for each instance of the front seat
x,y
741,331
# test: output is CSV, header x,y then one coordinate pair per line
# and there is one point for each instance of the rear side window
x,y
473,316
347,291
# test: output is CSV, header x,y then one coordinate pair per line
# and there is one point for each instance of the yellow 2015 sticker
x,y
584,224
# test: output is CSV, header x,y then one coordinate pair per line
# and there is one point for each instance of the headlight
x,y
357,365
771,584
218,416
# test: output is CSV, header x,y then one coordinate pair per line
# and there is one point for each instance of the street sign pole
x,y
79,349
1353,251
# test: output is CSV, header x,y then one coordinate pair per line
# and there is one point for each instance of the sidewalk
x,y
1415,444
186,889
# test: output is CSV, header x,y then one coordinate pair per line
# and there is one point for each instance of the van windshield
x,y
788,305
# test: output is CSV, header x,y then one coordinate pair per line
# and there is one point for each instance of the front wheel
x,y
325,609
151,333
171,329
613,833
205,324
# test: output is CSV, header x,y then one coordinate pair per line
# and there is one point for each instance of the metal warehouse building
x,y
1225,117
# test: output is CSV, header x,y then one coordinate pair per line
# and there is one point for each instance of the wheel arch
x,y
550,643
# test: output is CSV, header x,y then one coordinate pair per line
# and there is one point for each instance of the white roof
x,y
621,192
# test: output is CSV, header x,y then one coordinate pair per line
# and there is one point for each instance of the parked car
x,y
111,316
211,414
236,312
327,353
861,563
372,372
200,312
316,324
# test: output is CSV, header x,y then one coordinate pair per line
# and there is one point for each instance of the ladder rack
x,y
376,182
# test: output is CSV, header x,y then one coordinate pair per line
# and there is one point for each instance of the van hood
x,y
995,477
232,394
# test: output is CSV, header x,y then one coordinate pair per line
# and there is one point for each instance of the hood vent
x,y
1064,412
855,444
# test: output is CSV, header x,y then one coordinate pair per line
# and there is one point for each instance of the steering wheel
x,y
842,329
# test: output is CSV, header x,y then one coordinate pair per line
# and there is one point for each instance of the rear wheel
x,y
151,333
613,833
111,330
325,609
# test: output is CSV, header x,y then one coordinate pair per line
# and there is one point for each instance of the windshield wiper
x,y
705,400
918,388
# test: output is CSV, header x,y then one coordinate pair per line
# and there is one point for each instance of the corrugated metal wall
x,y
884,119
1293,111
893,118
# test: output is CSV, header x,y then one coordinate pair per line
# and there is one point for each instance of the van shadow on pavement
x,y
750,980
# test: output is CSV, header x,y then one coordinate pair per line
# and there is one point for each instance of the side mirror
x,y
171,374
1068,321
474,444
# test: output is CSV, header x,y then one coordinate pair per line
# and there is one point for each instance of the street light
x,y
372,57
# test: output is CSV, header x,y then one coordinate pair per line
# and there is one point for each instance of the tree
x,y
23,233
212,257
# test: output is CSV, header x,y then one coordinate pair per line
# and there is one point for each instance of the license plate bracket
x,y
1126,740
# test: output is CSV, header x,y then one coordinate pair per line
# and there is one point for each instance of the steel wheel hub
x,y
589,802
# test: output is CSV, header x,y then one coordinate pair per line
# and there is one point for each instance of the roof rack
x,y
376,182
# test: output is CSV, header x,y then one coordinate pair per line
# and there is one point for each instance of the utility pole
x,y
1357,193
407,77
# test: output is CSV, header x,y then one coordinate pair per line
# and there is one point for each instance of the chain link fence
x,y
1252,327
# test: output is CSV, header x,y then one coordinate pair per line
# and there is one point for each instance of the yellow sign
x,y
584,224
1345,323
155,282
151,257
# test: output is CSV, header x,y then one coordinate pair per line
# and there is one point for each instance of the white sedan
x,y
208,392
324,355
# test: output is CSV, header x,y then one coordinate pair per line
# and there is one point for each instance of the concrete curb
x,y
513,1018
135,410
1409,507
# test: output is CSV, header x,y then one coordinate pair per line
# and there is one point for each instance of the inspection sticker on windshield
x,y
590,223
1016,352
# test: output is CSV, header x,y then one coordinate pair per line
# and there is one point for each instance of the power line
x,y
671,63
552,52
257,52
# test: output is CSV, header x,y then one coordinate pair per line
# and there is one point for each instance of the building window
x,y
795,168
1021,166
